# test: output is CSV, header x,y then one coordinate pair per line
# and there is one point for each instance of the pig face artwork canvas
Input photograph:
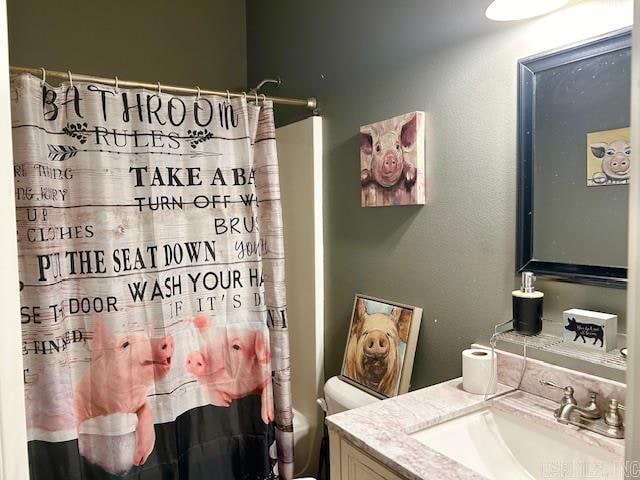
x,y
392,161
608,157
381,346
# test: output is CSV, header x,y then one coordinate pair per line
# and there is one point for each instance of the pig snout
x,y
390,163
619,164
162,353
388,169
376,344
162,349
197,364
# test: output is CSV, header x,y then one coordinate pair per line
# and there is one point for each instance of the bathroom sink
x,y
500,445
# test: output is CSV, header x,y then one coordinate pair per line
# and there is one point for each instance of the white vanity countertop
x,y
382,429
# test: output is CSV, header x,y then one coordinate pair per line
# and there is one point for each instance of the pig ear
x,y
361,310
366,142
404,323
201,322
359,317
102,336
598,149
409,131
262,351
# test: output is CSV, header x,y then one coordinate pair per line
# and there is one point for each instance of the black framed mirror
x,y
574,160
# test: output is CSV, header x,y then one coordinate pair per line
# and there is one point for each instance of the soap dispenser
x,y
527,306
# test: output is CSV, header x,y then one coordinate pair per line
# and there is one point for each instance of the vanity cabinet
x,y
348,462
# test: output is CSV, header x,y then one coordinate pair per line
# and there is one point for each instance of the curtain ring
x,y
44,76
117,88
198,95
228,96
256,97
264,98
70,79
244,96
159,89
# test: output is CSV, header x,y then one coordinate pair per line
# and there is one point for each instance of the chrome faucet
x,y
588,417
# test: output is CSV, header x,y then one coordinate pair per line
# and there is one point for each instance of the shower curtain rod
x,y
310,103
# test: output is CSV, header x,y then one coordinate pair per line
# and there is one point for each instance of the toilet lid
x,y
341,396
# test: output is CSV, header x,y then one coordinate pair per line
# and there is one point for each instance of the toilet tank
x,y
340,396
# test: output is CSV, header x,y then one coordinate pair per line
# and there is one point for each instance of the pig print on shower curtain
x,y
153,305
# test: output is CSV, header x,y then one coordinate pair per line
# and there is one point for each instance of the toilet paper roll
x,y
477,366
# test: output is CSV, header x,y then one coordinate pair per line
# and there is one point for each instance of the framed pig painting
x,y
381,345
392,161
609,157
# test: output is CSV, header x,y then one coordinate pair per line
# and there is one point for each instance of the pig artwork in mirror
x,y
609,157
392,161
111,396
616,159
235,362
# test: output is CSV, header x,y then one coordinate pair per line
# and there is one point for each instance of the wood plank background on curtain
x,y
151,259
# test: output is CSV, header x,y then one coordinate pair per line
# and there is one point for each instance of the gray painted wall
x,y
199,42
367,61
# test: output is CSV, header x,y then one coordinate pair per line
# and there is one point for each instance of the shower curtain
x,y
153,305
